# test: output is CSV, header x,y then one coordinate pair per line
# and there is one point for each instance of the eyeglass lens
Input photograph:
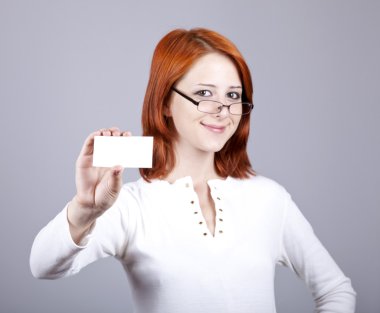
x,y
216,107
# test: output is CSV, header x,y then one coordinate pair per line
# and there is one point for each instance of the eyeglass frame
x,y
220,108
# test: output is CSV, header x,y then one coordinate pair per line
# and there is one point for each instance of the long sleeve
x,y
54,254
306,256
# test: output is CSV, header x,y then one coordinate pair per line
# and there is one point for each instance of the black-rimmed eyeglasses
x,y
213,107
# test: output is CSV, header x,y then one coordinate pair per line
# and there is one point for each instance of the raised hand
x,y
97,188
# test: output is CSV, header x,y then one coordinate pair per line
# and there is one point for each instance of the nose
x,y
225,111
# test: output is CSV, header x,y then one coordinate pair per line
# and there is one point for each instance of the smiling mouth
x,y
214,128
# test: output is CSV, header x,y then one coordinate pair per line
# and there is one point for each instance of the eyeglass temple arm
x,y
185,96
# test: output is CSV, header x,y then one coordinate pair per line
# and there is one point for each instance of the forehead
x,y
213,68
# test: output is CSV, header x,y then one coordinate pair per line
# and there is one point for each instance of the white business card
x,y
131,151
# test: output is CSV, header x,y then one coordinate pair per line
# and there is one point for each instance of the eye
x,y
204,93
234,95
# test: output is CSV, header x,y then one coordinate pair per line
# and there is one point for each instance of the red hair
x,y
172,58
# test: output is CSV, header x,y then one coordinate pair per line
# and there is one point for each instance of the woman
x,y
200,232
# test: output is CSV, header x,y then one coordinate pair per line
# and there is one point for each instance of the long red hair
x,y
172,58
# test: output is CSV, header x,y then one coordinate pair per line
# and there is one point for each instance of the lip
x,y
214,128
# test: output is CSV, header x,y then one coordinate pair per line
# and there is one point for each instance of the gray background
x,y
70,67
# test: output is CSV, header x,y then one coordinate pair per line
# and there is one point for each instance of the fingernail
x,y
118,171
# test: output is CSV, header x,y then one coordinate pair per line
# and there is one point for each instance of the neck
x,y
195,163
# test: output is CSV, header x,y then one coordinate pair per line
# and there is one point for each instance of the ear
x,y
167,111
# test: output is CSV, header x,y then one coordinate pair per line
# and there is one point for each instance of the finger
x,y
117,170
88,146
126,134
115,131
105,132
115,180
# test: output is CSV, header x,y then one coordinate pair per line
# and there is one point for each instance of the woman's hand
x,y
97,188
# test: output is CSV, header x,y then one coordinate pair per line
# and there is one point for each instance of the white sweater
x,y
174,264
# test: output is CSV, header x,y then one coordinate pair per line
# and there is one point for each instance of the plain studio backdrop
x,y
70,67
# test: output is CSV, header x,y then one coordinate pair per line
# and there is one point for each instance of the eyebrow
x,y
211,85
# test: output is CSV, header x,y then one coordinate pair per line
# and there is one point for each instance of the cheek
x,y
179,119
183,122
236,121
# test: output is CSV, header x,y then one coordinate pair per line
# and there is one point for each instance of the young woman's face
x,y
212,77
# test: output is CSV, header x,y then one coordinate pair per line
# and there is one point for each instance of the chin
x,y
213,147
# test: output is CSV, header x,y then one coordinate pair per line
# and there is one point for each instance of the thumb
x,y
115,180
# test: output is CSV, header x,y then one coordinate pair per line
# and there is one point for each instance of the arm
x,y
306,256
64,240
54,253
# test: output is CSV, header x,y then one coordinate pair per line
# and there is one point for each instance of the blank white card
x,y
132,151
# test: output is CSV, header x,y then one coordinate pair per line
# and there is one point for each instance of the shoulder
x,y
141,189
259,190
129,202
259,183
